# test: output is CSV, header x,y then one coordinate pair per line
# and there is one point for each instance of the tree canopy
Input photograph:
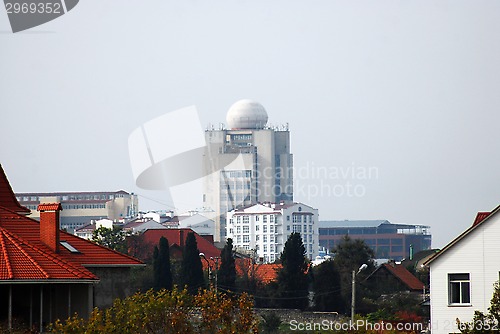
x,y
227,271
112,238
191,267
161,265
292,277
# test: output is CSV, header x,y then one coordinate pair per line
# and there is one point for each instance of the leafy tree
x,y
168,312
292,278
484,323
191,267
112,238
161,265
350,255
227,271
327,287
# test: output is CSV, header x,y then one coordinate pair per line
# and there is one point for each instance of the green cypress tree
x,y
161,265
227,273
191,268
292,277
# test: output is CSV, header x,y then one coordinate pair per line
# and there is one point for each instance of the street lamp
x,y
353,301
209,268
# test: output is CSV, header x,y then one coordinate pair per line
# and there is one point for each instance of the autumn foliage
x,y
167,312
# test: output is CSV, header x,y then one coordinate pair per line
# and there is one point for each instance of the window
x,y
288,227
256,227
287,218
246,239
257,218
238,219
271,218
246,219
246,229
265,228
265,238
257,238
238,229
238,239
264,218
265,248
271,228
459,289
271,238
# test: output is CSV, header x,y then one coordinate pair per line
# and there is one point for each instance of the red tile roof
x,y
177,236
21,260
7,198
23,256
480,217
49,207
265,273
407,278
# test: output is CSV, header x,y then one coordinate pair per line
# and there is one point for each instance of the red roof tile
x,y
265,273
400,272
480,217
49,207
21,260
177,236
7,198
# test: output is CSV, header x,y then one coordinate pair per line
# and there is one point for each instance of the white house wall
x,y
476,254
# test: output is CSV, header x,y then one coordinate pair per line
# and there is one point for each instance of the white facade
x,y
246,164
463,274
265,228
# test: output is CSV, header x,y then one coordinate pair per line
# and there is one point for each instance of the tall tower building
x,y
248,162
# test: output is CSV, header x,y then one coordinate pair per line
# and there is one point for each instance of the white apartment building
x,y
265,228
247,163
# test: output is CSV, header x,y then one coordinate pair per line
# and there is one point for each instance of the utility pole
x,y
353,300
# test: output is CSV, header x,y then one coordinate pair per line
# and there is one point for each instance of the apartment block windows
x,y
458,289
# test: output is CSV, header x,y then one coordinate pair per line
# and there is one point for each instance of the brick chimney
x,y
49,224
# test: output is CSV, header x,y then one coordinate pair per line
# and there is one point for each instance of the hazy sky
x,y
409,89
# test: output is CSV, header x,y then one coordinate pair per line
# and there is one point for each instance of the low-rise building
x,y
463,274
265,228
79,208
48,274
388,241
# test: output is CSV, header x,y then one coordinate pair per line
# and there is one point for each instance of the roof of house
x,y
7,197
480,217
177,236
264,273
477,222
24,256
401,273
20,260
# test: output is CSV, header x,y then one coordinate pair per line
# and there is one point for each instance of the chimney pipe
x,y
49,224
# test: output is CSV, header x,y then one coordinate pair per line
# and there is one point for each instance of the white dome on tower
x,y
246,114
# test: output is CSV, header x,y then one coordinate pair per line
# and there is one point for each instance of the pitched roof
x,y
480,217
265,273
21,260
463,234
23,256
7,198
401,273
89,253
177,236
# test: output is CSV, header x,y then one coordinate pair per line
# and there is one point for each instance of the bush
x,y
167,312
